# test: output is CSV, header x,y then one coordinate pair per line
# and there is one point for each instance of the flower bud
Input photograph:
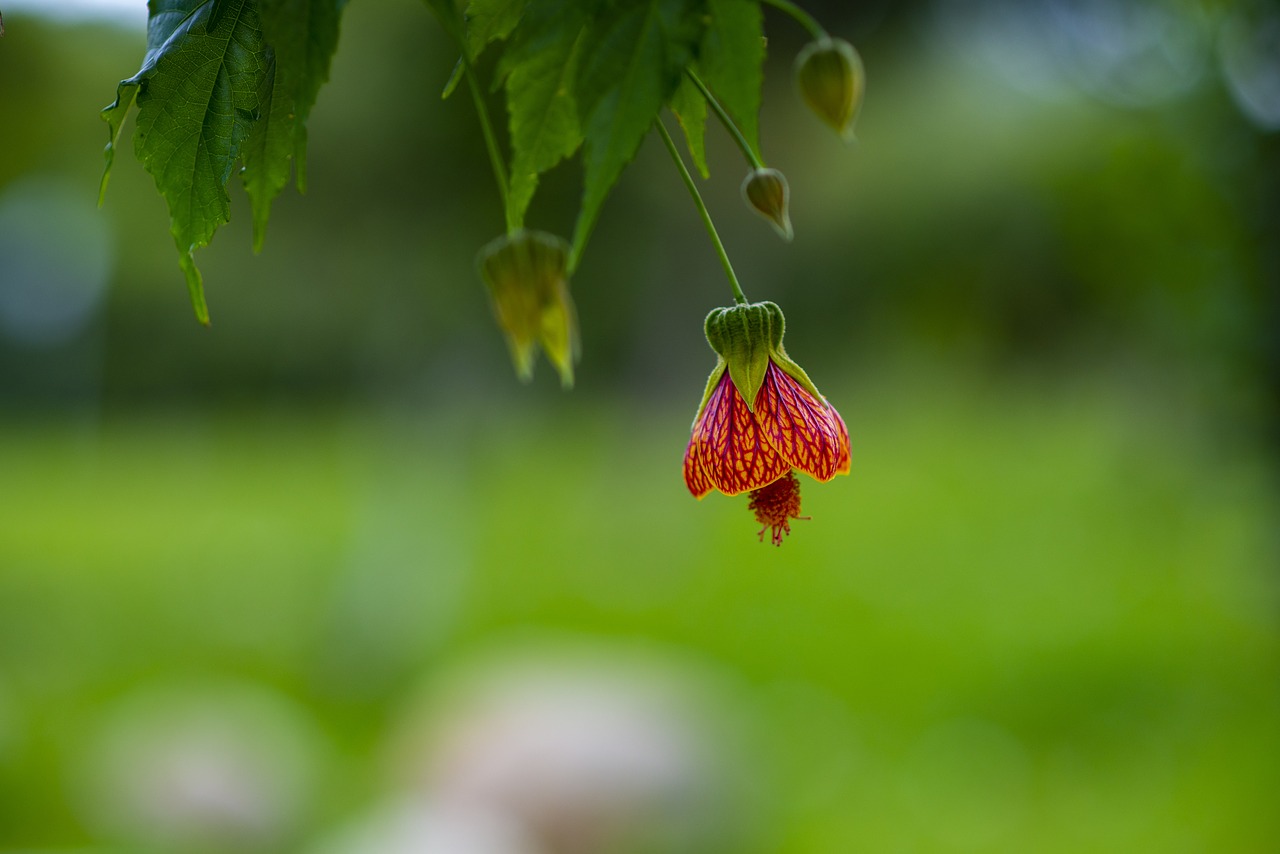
x,y
529,290
767,192
831,80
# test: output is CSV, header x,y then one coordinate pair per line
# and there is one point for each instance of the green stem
x,y
452,29
491,143
729,125
802,17
738,296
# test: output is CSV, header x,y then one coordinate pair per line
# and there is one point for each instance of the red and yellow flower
x,y
761,418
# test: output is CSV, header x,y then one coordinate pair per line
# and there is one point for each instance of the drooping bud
x,y
526,273
767,192
831,80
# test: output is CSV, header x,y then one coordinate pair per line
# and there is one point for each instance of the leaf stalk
x,y
725,119
738,296
448,20
801,16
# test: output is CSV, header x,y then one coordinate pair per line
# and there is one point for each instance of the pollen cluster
x,y
775,505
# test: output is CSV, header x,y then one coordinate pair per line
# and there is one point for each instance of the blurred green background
x,y
326,578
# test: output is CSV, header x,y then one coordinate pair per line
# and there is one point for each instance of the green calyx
x,y
526,273
746,338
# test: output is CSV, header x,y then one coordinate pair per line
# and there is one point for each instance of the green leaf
x,y
540,67
632,60
198,94
731,61
691,109
489,21
164,19
302,35
486,21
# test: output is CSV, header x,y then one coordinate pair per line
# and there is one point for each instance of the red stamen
x,y
775,505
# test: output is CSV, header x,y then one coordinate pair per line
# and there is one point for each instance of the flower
x,y
761,418
831,80
526,272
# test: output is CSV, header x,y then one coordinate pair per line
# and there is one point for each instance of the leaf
x,y
731,61
164,19
490,20
485,21
691,109
302,35
198,93
540,67
631,63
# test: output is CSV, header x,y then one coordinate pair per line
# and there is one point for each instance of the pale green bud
x,y
526,273
831,80
767,192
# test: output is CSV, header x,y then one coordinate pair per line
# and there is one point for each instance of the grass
x,y
1031,619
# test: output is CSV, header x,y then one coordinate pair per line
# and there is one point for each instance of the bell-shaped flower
x,y
526,273
767,192
761,418
831,81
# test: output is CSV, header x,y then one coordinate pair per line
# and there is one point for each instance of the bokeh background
x,y
326,578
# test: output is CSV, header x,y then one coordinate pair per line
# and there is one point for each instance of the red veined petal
x,y
727,449
798,425
694,477
842,459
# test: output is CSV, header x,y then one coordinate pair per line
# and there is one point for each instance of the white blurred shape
x,y
231,768
1135,53
126,13
554,741
55,260
573,753
1009,40
411,827
1250,53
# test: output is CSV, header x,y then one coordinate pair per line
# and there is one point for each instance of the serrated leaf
x,y
632,58
731,61
198,94
165,17
691,110
485,21
490,20
303,35
540,68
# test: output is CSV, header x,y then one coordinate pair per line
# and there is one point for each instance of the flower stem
x,y
729,125
491,143
738,297
802,17
450,23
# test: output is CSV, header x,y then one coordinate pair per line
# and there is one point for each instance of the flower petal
x,y
800,426
842,459
694,477
727,450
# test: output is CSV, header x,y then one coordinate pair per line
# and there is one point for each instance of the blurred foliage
x,y
1040,615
